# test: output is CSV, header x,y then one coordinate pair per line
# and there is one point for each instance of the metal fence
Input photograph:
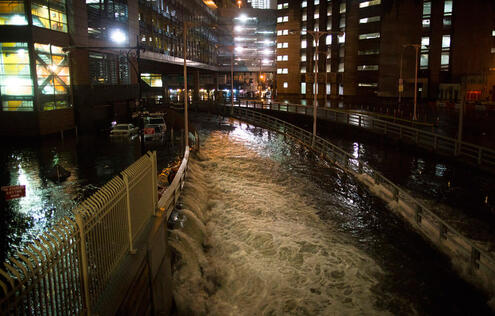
x,y
440,144
66,270
467,256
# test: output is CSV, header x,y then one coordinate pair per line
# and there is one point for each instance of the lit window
x,y
369,3
446,42
285,71
493,50
367,67
52,70
304,4
303,69
369,36
286,84
329,25
427,8
285,58
444,60
342,21
279,70
341,67
369,52
153,80
426,23
16,85
447,21
279,6
493,33
368,84
317,15
328,40
423,61
304,44
329,87
12,13
285,45
317,2
447,7
342,7
303,30
304,17
279,32
49,15
279,58
286,5
341,38
279,45
316,26
303,87
286,18
303,57
329,10
279,19
285,32
425,42
369,19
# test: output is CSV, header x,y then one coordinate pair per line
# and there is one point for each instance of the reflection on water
x,y
92,161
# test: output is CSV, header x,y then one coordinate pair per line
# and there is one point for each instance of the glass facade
x,y
49,14
153,80
16,84
52,71
12,13
108,69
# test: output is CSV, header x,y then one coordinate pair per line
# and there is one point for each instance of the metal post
x,y
128,204
416,46
232,82
459,128
186,126
83,264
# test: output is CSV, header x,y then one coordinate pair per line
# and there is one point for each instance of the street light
x,y
316,37
401,84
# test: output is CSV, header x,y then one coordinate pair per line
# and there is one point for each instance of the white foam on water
x,y
268,251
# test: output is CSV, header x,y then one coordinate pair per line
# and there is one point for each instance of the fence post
x,y
83,263
128,204
154,181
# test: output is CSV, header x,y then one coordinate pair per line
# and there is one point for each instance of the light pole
x,y
316,37
401,83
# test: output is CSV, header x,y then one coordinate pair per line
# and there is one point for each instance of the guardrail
x,y
467,256
440,144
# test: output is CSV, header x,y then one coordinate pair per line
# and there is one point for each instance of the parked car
x,y
123,130
156,120
153,133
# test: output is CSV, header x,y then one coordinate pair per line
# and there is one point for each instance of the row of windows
x,y
282,57
281,6
283,45
16,83
282,32
282,19
49,14
282,70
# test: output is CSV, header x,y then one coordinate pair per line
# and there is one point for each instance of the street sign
x,y
13,191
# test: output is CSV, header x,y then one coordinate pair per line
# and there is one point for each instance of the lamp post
x,y
401,83
316,37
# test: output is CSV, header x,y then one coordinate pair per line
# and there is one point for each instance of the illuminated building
x,y
366,41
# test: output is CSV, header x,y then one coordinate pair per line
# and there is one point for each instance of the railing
x,y
440,144
66,269
466,255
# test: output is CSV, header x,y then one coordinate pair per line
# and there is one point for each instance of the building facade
x,y
367,49
85,62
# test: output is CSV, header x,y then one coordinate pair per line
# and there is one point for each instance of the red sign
x,y
149,131
14,191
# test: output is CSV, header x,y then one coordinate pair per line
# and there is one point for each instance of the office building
x,y
365,47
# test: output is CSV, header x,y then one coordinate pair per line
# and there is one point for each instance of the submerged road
x,y
268,228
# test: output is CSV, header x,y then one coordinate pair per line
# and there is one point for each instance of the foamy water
x,y
265,250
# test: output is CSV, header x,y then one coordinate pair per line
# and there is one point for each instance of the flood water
x,y
92,161
266,228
